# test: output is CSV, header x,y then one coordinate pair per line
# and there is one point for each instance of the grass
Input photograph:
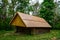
x,y
10,35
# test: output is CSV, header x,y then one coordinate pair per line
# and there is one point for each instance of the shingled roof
x,y
25,20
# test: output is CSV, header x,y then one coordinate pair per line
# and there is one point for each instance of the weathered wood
x,y
25,30
26,20
27,24
18,21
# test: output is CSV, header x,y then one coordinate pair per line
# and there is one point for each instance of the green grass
x,y
10,35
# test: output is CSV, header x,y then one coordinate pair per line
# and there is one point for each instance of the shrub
x,y
4,24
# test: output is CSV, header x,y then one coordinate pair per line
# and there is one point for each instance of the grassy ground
x,y
10,35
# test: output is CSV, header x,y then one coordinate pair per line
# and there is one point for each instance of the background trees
x,y
8,9
46,10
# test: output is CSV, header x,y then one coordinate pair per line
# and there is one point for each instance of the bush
x,y
4,24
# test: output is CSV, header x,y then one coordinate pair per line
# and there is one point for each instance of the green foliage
x,y
7,11
4,24
47,11
57,22
23,5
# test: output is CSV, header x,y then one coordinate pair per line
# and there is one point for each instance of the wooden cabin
x,y
29,24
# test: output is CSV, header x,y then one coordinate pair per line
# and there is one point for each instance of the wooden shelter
x,y
29,24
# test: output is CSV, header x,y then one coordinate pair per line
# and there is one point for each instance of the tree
x,y
57,15
10,9
23,5
47,11
4,21
36,7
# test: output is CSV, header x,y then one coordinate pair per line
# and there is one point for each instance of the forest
x,y
48,9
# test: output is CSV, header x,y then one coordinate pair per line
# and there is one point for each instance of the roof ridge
x,y
34,20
